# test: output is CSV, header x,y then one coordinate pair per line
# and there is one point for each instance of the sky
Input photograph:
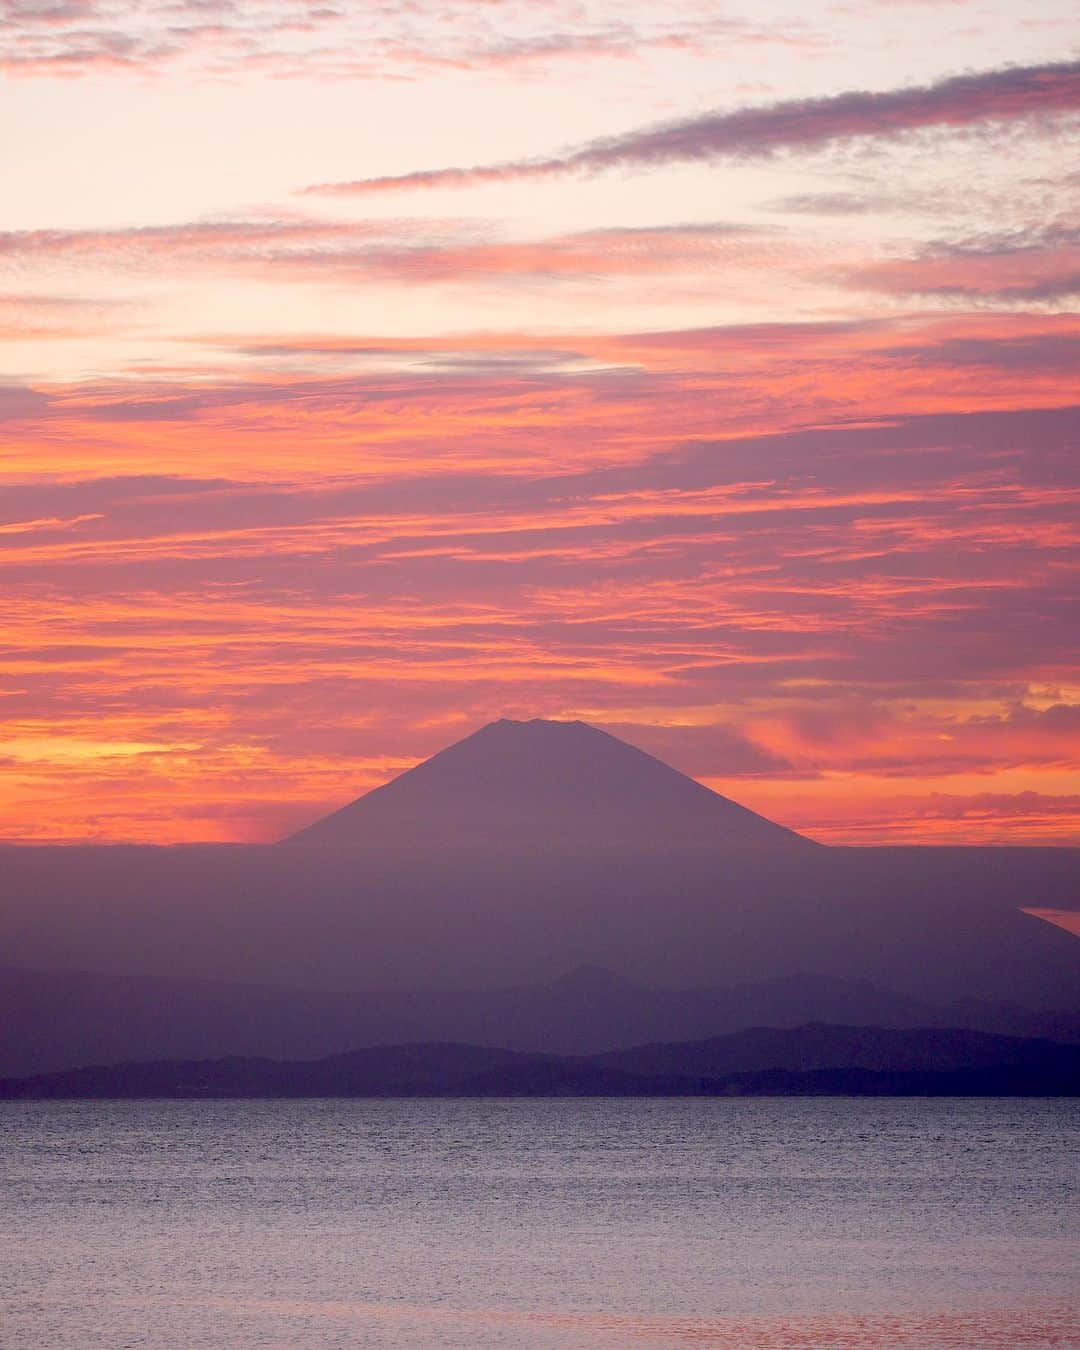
x,y
705,371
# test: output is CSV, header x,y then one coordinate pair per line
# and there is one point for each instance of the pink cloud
x,y
1038,265
291,39
415,252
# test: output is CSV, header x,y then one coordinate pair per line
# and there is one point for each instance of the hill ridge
x,y
878,1061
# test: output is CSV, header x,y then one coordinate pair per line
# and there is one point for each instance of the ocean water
x,y
734,1223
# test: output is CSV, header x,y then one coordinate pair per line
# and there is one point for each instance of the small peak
x,y
501,724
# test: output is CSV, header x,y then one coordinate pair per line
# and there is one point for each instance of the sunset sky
x,y
707,372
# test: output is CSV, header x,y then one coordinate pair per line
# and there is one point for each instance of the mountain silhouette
x,y
538,785
809,1060
527,850
939,925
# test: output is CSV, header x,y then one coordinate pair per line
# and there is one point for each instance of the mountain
x,y
56,1020
541,785
805,1061
531,848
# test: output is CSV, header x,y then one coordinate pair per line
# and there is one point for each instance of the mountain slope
x,y
539,785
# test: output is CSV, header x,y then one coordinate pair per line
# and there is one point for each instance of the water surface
x,y
539,1223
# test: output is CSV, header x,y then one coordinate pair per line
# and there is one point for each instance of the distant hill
x,y
543,785
818,1047
801,1062
55,1020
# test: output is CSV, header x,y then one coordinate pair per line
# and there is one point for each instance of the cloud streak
x,y
1041,266
288,39
796,125
416,252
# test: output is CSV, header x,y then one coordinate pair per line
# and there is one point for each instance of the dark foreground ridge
x,y
763,1061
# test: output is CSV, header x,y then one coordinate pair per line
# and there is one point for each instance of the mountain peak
x,y
540,785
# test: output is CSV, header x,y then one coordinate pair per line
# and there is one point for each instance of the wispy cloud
x,y
417,252
1040,265
294,38
29,316
205,240
801,124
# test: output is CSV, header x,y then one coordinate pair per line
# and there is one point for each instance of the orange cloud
x,y
823,567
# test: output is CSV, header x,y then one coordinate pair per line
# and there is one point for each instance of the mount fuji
x,y
532,848
540,785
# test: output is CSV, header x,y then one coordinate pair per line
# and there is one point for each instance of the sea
x,y
517,1223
